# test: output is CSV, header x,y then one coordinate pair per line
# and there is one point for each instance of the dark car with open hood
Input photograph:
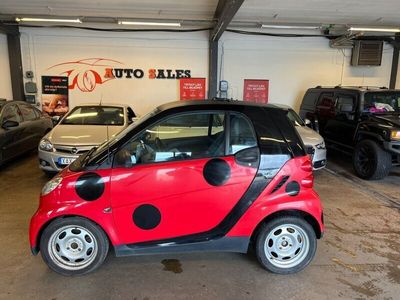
x,y
363,121
189,176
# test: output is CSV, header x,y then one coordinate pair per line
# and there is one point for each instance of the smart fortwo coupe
x,y
189,176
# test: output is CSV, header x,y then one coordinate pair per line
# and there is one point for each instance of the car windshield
x,y
294,118
95,115
121,134
382,102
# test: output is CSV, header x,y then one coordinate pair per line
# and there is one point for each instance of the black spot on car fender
x,y
146,216
90,186
292,188
217,172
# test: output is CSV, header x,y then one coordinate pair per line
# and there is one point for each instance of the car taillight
x,y
308,180
306,166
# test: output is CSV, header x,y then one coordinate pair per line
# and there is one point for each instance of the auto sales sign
x,y
86,74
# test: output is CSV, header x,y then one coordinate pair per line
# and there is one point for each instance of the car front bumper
x,y
49,161
319,158
393,147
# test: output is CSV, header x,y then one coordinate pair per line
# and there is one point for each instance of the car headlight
x,y
395,135
51,185
45,145
320,145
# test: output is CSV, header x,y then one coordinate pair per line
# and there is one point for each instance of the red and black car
x,y
189,176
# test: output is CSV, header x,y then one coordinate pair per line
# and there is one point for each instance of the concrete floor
x,y
358,257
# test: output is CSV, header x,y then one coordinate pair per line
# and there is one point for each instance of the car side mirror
x,y
9,124
307,122
55,119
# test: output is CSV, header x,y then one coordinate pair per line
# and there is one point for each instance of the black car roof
x,y
355,88
214,104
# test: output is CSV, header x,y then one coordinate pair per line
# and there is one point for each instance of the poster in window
x,y
256,90
192,88
55,95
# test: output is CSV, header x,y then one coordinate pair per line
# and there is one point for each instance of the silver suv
x,y
83,128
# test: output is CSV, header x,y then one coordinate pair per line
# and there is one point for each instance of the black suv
x,y
364,121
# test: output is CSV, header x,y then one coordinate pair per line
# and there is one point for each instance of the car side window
x,y
28,112
241,134
326,101
180,137
11,113
343,99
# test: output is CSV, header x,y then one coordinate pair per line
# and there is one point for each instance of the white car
x,y
84,127
314,142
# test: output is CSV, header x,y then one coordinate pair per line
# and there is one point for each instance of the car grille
x,y
72,149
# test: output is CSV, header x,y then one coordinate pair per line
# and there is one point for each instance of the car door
x,y
11,141
325,111
32,126
179,177
345,122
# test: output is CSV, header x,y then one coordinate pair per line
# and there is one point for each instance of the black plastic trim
x,y
224,244
280,184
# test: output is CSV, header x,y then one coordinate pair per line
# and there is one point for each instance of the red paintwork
x,y
299,169
187,203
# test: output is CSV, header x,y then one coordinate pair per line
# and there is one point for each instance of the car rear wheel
x,y
73,246
370,161
286,245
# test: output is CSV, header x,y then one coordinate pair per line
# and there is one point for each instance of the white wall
x,y
43,48
292,65
5,79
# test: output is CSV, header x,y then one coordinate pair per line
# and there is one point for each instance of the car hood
x,y
82,135
390,119
309,136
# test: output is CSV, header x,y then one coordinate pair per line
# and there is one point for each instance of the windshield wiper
x,y
88,156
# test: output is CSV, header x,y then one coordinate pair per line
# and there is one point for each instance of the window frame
x,y
226,132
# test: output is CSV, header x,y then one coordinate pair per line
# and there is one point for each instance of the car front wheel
x,y
73,246
370,161
286,245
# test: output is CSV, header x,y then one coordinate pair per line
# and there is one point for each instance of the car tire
x,y
73,246
370,161
286,245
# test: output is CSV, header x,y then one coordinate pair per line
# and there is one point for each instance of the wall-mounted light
x,y
374,29
289,26
48,20
144,23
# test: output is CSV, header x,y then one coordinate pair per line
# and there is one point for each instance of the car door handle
x,y
249,157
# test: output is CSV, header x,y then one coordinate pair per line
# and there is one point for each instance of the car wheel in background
x,y
370,161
